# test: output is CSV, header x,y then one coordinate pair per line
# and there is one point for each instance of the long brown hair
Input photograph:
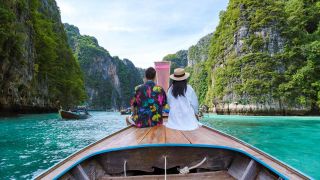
x,y
179,88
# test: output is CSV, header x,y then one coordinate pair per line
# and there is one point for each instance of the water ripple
x,y
29,144
292,139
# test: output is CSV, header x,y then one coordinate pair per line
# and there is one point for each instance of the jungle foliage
x,y
32,38
256,73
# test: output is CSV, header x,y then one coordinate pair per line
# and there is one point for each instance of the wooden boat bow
x,y
162,136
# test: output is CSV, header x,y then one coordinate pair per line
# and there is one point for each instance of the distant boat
x,y
125,111
74,115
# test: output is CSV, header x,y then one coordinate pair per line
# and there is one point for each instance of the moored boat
x,y
125,111
158,152
73,115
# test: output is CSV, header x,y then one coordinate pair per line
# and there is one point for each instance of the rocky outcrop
x,y
109,81
274,109
253,69
31,63
261,60
178,60
199,52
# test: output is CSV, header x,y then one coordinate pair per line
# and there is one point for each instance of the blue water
x,y
29,144
293,140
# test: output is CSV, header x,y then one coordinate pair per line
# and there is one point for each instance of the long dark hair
x,y
179,88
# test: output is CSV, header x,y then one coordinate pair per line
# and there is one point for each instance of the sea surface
x,y
294,140
29,144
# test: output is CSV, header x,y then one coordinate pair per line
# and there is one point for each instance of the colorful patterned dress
x,y
149,102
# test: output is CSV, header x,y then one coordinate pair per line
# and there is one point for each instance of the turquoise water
x,y
293,140
29,144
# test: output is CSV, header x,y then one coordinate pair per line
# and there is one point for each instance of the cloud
x,y
146,30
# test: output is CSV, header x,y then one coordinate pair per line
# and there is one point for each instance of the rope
x,y
125,168
165,167
186,169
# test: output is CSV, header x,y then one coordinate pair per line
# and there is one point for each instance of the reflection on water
x,y
293,140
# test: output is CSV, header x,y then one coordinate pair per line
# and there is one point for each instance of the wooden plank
x,y
175,136
238,166
92,168
251,171
78,173
133,138
217,175
200,136
145,159
156,135
266,175
106,144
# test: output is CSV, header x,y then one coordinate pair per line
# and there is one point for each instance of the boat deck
x,y
131,136
218,175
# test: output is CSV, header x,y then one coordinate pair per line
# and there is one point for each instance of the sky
x,y
143,31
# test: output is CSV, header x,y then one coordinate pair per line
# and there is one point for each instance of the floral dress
x,y
149,102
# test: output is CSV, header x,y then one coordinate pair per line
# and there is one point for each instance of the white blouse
x,y
183,110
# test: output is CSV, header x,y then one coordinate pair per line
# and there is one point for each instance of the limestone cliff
x,y
199,53
37,70
178,60
262,56
263,59
109,81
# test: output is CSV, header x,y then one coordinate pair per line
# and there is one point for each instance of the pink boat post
x,y
163,73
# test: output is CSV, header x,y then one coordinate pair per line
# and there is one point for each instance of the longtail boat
x,y
125,111
73,115
163,153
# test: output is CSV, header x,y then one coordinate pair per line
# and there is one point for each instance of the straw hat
x,y
179,75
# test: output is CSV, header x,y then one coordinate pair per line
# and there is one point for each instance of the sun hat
x,y
179,74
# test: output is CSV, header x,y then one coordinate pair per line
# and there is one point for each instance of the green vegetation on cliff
x,y
193,60
199,52
263,58
109,81
37,66
264,52
178,60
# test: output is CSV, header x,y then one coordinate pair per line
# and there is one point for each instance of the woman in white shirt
x,y
183,103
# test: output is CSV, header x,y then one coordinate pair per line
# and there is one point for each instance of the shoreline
x,y
265,111
267,114
21,110
15,112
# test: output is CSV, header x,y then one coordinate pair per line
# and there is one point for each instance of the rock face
x,y
263,59
178,60
36,64
199,52
253,60
109,81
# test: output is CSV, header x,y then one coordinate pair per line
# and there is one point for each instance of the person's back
x,y
148,103
183,103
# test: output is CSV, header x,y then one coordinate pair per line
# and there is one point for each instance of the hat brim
x,y
186,76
